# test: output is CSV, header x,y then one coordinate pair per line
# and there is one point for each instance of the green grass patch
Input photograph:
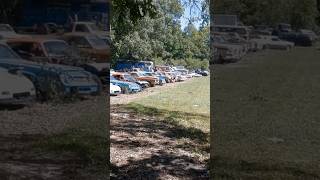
x,y
187,104
268,96
192,97
186,108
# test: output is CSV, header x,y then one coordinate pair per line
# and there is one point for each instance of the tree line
x,y
155,33
298,13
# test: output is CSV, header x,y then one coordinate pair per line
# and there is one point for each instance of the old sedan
x,y
90,45
58,52
51,79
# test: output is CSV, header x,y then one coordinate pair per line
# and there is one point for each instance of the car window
x,y
34,49
81,28
97,42
80,42
55,48
7,53
6,28
93,27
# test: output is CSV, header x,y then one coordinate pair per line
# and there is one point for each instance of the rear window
x,y
6,53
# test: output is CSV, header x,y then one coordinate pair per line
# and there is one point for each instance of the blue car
x,y
51,78
126,87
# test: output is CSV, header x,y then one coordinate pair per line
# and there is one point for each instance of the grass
x,y
266,116
187,104
185,107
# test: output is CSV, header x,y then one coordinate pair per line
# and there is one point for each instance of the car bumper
x,y
115,93
82,90
17,101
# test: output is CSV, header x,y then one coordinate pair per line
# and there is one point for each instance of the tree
x,y
7,8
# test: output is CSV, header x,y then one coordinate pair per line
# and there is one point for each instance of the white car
x,y
273,42
195,75
114,90
7,32
15,88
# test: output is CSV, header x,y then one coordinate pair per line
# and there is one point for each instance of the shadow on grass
x,y
159,125
227,168
172,118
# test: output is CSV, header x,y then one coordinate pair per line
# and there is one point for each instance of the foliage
x,y
160,37
299,13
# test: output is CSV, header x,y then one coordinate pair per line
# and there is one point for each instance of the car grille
x,y
21,95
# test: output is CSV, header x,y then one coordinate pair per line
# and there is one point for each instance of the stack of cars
x,y
230,43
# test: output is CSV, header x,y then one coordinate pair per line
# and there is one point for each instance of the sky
x,y
194,13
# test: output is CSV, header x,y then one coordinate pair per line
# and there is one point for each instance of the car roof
x,y
32,40
78,34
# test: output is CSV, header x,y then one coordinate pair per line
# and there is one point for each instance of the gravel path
x,y
22,127
46,118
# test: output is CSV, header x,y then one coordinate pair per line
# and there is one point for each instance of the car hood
x,y
14,83
114,87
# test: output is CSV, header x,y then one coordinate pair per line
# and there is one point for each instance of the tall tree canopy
x,y
299,13
158,36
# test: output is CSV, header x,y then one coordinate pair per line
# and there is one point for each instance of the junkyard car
x,y
126,87
114,90
51,78
141,77
92,28
273,42
226,52
127,77
161,79
310,33
58,52
90,45
7,32
15,88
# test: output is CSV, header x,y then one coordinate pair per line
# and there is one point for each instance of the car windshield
x,y
7,53
57,48
148,74
94,27
6,28
130,78
96,42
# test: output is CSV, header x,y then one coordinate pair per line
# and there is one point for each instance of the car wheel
x,y
126,90
100,85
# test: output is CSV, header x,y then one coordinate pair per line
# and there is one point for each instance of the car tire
x,y
100,85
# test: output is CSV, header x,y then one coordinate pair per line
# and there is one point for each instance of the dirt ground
x,y
24,127
147,147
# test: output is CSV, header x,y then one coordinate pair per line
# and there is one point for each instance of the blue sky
x,y
194,13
